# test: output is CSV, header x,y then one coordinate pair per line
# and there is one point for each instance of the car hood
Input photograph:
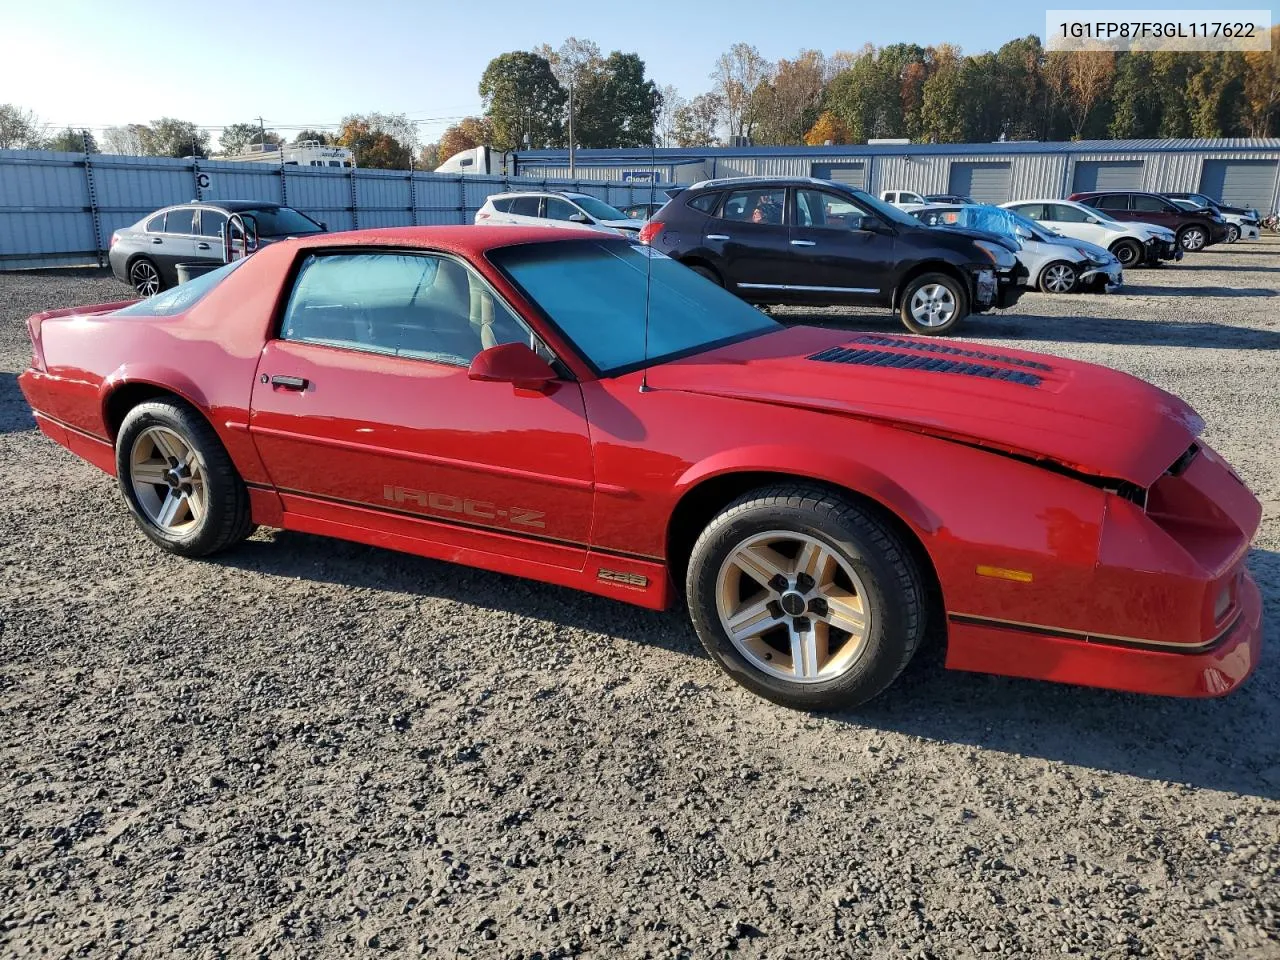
x,y
1011,244
1086,418
1155,230
628,224
1096,252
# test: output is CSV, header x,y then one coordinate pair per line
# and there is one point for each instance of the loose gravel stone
x,y
305,747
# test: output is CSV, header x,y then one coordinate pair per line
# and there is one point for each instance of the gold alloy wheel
x,y
793,607
167,480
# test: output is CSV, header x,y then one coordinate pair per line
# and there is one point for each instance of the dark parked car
x,y
1207,201
146,255
798,240
948,198
1195,229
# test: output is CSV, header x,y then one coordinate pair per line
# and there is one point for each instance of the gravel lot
x,y
310,748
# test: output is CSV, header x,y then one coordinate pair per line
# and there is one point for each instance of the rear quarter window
x,y
705,203
501,204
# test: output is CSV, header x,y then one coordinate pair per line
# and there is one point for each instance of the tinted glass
x,y
599,209
155,224
181,297
502,204
1149,204
525,206
180,220
595,292
558,209
705,203
817,208
755,206
423,307
1062,213
1115,201
1036,211
281,222
212,223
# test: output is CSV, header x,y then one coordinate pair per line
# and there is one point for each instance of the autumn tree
x,y
1079,79
380,141
319,136
129,140
867,96
523,101
170,137
737,74
467,134
787,104
941,110
72,141
19,128
828,128
670,104
1262,88
429,157
697,121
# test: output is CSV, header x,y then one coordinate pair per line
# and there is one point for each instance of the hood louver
x,y
931,358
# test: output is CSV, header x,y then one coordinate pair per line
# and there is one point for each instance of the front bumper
x,y
1219,231
1088,662
996,289
1157,250
1250,231
1112,274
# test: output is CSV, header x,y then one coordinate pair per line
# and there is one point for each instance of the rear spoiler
x,y
672,191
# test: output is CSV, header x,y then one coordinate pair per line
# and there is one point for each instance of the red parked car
x,y
586,412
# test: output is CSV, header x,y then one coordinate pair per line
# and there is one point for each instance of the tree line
x,y
933,94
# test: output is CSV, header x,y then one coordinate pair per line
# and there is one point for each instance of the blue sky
x,y
309,62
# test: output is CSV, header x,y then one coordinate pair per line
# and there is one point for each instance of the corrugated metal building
x,y
1239,172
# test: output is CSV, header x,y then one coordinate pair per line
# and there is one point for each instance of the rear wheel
x,y
144,277
805,598
933,304
178,480
1058,277
1192,238
1128,252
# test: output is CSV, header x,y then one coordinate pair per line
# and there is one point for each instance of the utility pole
x,y
262,134
571,167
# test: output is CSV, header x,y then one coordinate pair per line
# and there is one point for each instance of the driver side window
x,y
817,208
405,305
558,209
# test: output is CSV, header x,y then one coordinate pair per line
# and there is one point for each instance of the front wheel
x,y
1059,277
1192,239
178,480
1233,233
805,598
933,304
1128,252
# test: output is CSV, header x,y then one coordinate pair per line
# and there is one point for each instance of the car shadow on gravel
x,y
1076,328
15,415
1141,290
1229,744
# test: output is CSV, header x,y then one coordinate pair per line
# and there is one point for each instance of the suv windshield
x,y
599,209
281,222
596,292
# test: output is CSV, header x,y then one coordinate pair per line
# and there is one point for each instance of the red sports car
x,y
583,411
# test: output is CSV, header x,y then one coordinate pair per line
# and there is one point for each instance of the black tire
x,y
705,271
1128,252
895,592
143,270
1233,233
958,292
1067,278
226,520
1193,238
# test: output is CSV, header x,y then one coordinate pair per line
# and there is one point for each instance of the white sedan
x,y
1134,244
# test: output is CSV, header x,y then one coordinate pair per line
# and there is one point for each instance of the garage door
x,y
1240,183
854,174
984,182
1107,175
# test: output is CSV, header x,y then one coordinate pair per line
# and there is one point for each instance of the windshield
x,y
886,211
280,222
599,209
182,297
594,292
1037,229
991,219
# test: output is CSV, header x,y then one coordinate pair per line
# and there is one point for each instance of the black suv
x,y
798,240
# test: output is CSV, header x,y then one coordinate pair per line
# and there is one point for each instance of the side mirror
x,y
1092,220
1022,232
866,223
579,218
513,363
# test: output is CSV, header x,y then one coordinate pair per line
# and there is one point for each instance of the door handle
x,y
802,243
717,236
289,383
202,246
156,240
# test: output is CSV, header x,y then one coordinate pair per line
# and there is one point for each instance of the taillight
x,y
114,238
482,216
651,231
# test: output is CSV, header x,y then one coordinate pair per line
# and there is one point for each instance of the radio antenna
x,y
648,259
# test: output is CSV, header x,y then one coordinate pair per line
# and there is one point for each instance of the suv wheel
x,y
932,304
1192,238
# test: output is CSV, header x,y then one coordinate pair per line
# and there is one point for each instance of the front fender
x,y
831,468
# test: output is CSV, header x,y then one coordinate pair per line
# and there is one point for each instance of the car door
x,y
1115,204
835,258
560,212
526,211
1074,222
1150,209
363,414
210,226
177,244
748,236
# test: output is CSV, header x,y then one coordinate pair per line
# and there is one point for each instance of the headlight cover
x,y
999,255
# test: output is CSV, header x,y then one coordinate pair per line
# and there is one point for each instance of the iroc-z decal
x,y
479,509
